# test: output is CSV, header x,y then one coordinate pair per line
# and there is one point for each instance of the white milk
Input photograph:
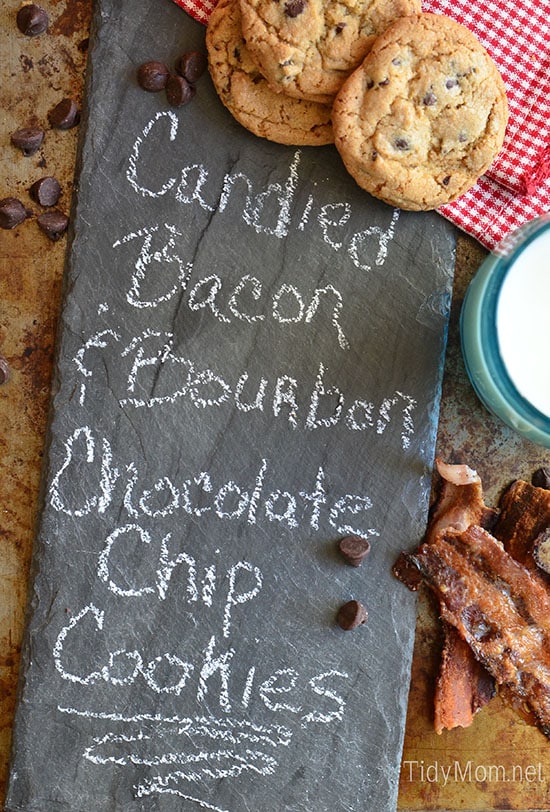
x,y
523,322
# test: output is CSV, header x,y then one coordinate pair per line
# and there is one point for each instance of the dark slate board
x,y
249,368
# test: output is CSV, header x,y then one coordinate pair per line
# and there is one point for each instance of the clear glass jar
x,y
505,331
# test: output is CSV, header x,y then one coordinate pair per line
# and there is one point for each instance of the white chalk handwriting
x,y
253,501
150,365
269,210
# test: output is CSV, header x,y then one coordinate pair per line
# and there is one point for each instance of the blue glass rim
x,y
486,323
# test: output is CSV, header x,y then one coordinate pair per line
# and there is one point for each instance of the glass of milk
x,y
505,331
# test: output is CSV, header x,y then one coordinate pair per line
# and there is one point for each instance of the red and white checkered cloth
x,y
517,186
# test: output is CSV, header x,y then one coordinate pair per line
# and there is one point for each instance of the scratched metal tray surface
x,y
498,763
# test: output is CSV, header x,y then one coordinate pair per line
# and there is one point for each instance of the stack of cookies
x,y
413,102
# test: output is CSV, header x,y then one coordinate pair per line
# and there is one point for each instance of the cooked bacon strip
x,y
460,501
458,474
498,608
523,519
524,515
463,686
407,573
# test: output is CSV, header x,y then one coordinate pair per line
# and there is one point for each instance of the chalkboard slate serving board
x,y
248,369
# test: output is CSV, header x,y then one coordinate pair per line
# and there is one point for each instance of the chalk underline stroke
x,y
141,744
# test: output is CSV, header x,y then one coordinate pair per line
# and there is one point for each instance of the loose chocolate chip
x,y
340,27
462,137
384,82
351,615
369,83
12,212
192,65
374,155
64,115
32,20
451,83
293,8
45,191
53,223
354,549
429,99
396,61
4,370
401,143
28,140
541,478
446,180
179,91
152,76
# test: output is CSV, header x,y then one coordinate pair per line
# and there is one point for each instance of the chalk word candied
x,y
268,211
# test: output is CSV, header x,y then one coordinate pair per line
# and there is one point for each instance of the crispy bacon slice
x,y
524,516
498,608
463,686
460,501
522,522
457,473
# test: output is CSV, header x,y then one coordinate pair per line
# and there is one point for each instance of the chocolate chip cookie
x,y
307,48
424,115
246,93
